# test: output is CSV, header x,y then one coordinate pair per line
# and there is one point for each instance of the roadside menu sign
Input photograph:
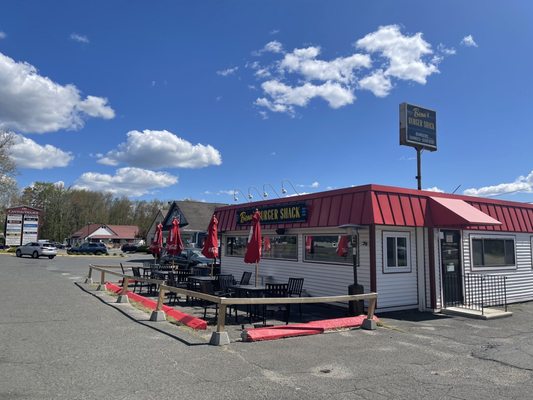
x,y
418,127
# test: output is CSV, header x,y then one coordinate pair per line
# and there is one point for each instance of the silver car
x,y
36,250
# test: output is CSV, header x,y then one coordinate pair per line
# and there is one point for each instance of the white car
x,y
36,250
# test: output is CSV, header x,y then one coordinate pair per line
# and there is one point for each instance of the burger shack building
x,y
416,249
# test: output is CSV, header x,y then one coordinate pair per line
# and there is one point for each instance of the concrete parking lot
x,y
58,341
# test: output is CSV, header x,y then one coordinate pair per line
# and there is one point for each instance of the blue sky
x,y
175,99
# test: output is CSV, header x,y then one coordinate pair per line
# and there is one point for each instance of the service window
x,y
283,247
396,254
493,252
335,249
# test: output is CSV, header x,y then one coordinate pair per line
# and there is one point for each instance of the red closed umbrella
x,y
253,248
174,243
210,247
157,243
342,246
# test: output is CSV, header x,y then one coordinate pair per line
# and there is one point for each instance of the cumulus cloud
x,y
381,57
522,184
434,189
304,62
79,38
28,154
227,71
33,103
469,41
283,98
377,82
403,54
161,149
130,182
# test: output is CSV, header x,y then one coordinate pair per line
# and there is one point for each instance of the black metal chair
x,y
222,285
245,278
207,288
295,288
276,290
137,274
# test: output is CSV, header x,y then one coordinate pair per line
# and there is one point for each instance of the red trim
x,y
432,285
373,267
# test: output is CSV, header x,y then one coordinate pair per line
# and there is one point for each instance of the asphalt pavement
x,y
59,340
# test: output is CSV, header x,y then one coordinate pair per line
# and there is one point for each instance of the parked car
x,y
129,247
188,258
89,248
36,250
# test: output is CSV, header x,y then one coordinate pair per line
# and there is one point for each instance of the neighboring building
x,y
159,217
194,219
416,249
21,225
110,235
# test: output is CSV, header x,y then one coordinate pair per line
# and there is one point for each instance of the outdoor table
x,y
248,291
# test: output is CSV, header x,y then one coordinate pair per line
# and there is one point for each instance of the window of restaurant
x,y
236,246
284,247
335,249
493,252
396,254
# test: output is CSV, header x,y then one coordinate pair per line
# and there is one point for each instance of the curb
x,y
186,319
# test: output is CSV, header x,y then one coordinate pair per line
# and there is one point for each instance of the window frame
x,y
226,253
345,264
493,267
396,269
270,236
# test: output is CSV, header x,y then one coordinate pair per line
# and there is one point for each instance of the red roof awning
x,y
455,212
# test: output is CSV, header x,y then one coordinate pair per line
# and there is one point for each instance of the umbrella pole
x,y
256,273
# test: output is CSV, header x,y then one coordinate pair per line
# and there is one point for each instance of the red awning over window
x,y
455,212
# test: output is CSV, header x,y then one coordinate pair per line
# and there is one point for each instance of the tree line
x,y
66,210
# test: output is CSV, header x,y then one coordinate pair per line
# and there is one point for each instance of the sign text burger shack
x,y
274,214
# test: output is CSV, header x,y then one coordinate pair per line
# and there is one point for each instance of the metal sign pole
x,y
419,166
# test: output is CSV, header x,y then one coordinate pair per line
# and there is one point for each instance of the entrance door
x,y
450,255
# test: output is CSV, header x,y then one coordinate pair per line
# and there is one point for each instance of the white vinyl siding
x,y
320,279
520,278
396,290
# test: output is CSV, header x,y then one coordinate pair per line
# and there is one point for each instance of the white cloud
x,y
131,182
380,58
434,189
79,38
274,32
304,62
315,184
273,47
379,84
161,149
2,35
32,103
285,97
28,154
404,54
469,41
227,71
522,184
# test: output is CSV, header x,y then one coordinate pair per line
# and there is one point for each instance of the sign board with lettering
x,y
22,225
418,127
276,214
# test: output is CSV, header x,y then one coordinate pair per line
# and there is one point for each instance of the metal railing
x,y
480,291
224,302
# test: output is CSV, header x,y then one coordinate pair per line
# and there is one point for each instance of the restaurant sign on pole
x,y
418,127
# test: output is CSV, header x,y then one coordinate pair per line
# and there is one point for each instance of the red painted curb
x,y
186,319
309,328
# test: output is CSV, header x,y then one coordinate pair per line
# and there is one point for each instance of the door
x,y
450,255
